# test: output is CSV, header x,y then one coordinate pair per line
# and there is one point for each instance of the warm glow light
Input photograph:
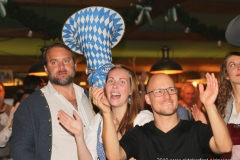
x,y
166,71
37,74
82,83
16,82
197,81
10,84
165,65
194,84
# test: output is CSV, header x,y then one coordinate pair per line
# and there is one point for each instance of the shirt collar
x,y
51,90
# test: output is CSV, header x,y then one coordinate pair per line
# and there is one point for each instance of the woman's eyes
x,y
122,82
119,82
110,81
232,64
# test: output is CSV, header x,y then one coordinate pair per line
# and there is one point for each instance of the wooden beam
x,y
152,36
170,36
79,3
211,7
20,33
161,5
21,64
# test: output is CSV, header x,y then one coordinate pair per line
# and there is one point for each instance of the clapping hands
x,y
75,126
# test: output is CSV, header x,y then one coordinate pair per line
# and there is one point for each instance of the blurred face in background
x,y
188,95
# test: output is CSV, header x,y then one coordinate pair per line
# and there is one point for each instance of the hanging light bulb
x,y
166,18
219,43
29,33
165,65
187,30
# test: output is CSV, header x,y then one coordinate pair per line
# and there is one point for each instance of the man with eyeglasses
x,y
168,136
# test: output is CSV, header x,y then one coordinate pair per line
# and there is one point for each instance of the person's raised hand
x,y
74,126
100,100
198,114
209,95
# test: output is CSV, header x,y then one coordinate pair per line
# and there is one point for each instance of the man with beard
x,y
168,136
37,133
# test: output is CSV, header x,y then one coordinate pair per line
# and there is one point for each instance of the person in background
x,y
33,82
6,116
121,92
26,94
142,91
189,97
37,133
167,136
228,100
30,83
18,96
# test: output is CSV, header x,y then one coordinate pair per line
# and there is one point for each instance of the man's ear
x,y
45,68
147,98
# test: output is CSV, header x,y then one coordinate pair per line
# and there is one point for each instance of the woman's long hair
x,y
135,106
225,87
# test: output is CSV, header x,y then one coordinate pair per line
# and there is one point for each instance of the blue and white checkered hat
x,y
93,32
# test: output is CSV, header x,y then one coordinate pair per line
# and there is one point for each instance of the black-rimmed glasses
x,y
160,92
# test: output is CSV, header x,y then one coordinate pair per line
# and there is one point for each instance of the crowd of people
x,y
56,120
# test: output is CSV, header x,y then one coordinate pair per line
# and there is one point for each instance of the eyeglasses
x,y
160,92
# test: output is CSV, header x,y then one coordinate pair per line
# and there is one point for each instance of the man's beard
x,y
61,81
164,113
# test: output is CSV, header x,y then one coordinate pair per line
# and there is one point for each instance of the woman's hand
x,y
100,100
209,95
75,126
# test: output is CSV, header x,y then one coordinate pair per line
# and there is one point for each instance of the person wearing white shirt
x,y
121,93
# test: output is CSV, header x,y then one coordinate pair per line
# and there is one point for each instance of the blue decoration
x,y
93,32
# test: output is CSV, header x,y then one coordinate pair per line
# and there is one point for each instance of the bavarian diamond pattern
x,y
93,32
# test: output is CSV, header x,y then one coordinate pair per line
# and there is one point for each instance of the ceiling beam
x,y
169,36
78,3
211,7
136,64
151,36
20,33
161,5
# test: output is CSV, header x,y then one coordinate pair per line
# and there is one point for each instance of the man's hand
x,y
198,114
